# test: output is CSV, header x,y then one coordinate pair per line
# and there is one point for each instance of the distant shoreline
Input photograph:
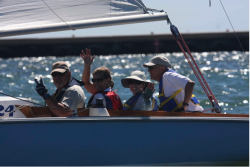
x,y
113,45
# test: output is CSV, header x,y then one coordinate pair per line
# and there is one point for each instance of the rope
x,y
58,16
198,69
211,109
143,6
180,41
154,10
234,31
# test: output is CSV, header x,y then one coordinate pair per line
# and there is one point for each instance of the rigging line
x,y
197,68
33,102
155,10
180,39
144,7
58,16
17,108
234,31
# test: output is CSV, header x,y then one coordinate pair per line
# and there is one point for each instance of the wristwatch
x,y
185,104
46,96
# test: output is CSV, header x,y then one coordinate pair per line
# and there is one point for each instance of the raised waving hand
x,y
147,94
87,58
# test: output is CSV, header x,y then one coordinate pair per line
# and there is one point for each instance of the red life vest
x,y
113,101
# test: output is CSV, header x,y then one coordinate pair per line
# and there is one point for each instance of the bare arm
x,y
58,109
188,92
88,60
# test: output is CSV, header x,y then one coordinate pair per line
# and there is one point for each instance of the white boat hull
x,y
123,141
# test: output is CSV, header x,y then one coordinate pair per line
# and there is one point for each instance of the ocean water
x,y
227,74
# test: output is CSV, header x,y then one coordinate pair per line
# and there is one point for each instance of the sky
x,y
189,16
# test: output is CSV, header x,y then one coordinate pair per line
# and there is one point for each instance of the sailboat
x,y
33,136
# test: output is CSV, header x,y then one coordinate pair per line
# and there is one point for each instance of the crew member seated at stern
x,y
175,90
68,96
142,90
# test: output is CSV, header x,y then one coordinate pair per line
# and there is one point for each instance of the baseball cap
x,y
59,66
161,60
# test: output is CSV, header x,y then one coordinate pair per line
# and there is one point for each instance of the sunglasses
x,y
150,67
97,80
135,82
54,74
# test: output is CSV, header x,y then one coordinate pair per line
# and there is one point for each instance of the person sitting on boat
x,y
101,85
142,90
68,96
175,90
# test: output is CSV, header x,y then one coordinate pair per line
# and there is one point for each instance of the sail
x,y
19,17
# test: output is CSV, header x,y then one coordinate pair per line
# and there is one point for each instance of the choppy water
x,y
227,74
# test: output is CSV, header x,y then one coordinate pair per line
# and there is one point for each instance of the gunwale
x,y
34,112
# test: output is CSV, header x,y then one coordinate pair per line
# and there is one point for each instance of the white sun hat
x,y
135,75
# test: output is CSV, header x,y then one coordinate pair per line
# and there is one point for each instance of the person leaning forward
x,y
68,96
175,90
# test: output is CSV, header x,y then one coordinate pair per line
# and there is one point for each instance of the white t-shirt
x,y
74,97
171,83
101,96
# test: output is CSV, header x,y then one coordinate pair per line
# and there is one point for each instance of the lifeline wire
x,y
41,104
18,108
234,32
58,16
32,102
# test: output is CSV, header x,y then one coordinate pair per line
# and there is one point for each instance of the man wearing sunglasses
x,y
175,90
68,96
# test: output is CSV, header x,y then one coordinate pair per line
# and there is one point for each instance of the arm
x,y
58,109
147,94
177,81
88,60
147,105
73,97
188,92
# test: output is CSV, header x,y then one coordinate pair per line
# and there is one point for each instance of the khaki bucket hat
x,y
135,75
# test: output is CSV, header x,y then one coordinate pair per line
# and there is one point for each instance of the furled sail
x,y
19,17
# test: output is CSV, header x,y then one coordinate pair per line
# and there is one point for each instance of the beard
x,y
59,85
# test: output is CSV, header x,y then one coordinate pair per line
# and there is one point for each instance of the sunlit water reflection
x,y
227,74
